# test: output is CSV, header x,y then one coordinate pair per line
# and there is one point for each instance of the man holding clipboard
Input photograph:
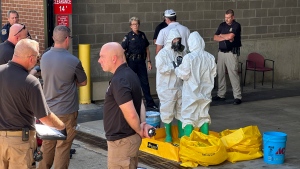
x,y
22,100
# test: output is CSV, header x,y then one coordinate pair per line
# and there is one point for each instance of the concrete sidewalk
x,y
270,109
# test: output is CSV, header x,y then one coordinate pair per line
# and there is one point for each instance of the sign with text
x,y
62,20
62,6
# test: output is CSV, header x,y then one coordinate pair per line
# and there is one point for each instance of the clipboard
x,y
47,133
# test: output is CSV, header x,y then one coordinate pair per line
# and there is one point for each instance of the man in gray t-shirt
x,y
62,72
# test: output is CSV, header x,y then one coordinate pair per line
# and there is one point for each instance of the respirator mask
x,y
177,46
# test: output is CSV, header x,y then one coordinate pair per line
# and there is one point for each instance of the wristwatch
x,y
149,61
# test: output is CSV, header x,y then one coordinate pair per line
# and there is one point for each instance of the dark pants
x,y
139,67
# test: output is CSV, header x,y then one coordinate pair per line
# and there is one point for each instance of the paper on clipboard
x,y
47,133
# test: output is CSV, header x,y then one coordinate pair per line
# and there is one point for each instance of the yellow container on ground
x,y
157,145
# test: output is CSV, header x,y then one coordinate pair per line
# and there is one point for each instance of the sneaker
x,y
217,98
237,101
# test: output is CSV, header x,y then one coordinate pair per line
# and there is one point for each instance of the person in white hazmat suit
x,y
168,85
198,70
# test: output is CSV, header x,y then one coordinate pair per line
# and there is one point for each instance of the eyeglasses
x,y
38,56
69,37
24,27
135,24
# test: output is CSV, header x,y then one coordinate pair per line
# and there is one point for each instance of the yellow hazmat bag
x,y
242,144
157,145
201,149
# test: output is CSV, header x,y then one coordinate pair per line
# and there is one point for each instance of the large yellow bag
x,y
157,145
201,149
242,144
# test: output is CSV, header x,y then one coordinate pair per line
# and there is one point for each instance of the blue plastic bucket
x,y
274,147
153,118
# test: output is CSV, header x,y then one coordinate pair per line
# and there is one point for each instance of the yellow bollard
x,y
84,53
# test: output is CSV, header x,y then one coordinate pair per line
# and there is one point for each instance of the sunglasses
x,y
23,28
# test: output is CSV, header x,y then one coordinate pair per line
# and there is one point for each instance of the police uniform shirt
x,y
6,52
135,43
234,28
5,32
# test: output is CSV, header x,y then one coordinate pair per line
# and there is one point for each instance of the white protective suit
x,y
198,70
168,85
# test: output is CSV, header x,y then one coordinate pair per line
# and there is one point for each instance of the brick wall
x,y
31,13
97,22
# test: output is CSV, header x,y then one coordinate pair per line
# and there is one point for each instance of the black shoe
x,y
72,151
217,98
237,101
153,107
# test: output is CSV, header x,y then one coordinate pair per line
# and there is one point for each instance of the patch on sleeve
x,y
4,31
124,39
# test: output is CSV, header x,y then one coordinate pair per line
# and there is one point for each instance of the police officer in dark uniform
x,y
13,17
229,37
136,47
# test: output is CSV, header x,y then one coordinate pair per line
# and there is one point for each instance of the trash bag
x,y
201,149
242,144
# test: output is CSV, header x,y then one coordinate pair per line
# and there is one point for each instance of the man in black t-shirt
x,y
123,111
159,27
22,100
229,37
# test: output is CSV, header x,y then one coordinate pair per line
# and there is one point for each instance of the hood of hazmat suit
x,y
198,70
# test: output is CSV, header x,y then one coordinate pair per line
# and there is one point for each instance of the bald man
x,y
16,33
21,100
123,111
62,73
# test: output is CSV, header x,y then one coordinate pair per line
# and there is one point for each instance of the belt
x,y
11,133
14,133
225,51
136,56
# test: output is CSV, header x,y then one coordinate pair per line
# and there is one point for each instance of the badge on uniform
x,y
4,32
124,39
230,30
132,39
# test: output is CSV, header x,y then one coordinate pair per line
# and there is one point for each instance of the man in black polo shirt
x,y
123,111
21,101
229,37
17,32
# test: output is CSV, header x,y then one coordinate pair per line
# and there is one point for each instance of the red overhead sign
x,y
62,20
62,6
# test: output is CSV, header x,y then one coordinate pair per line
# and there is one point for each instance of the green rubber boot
x,y
204,128
168,132
188,130
180,130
